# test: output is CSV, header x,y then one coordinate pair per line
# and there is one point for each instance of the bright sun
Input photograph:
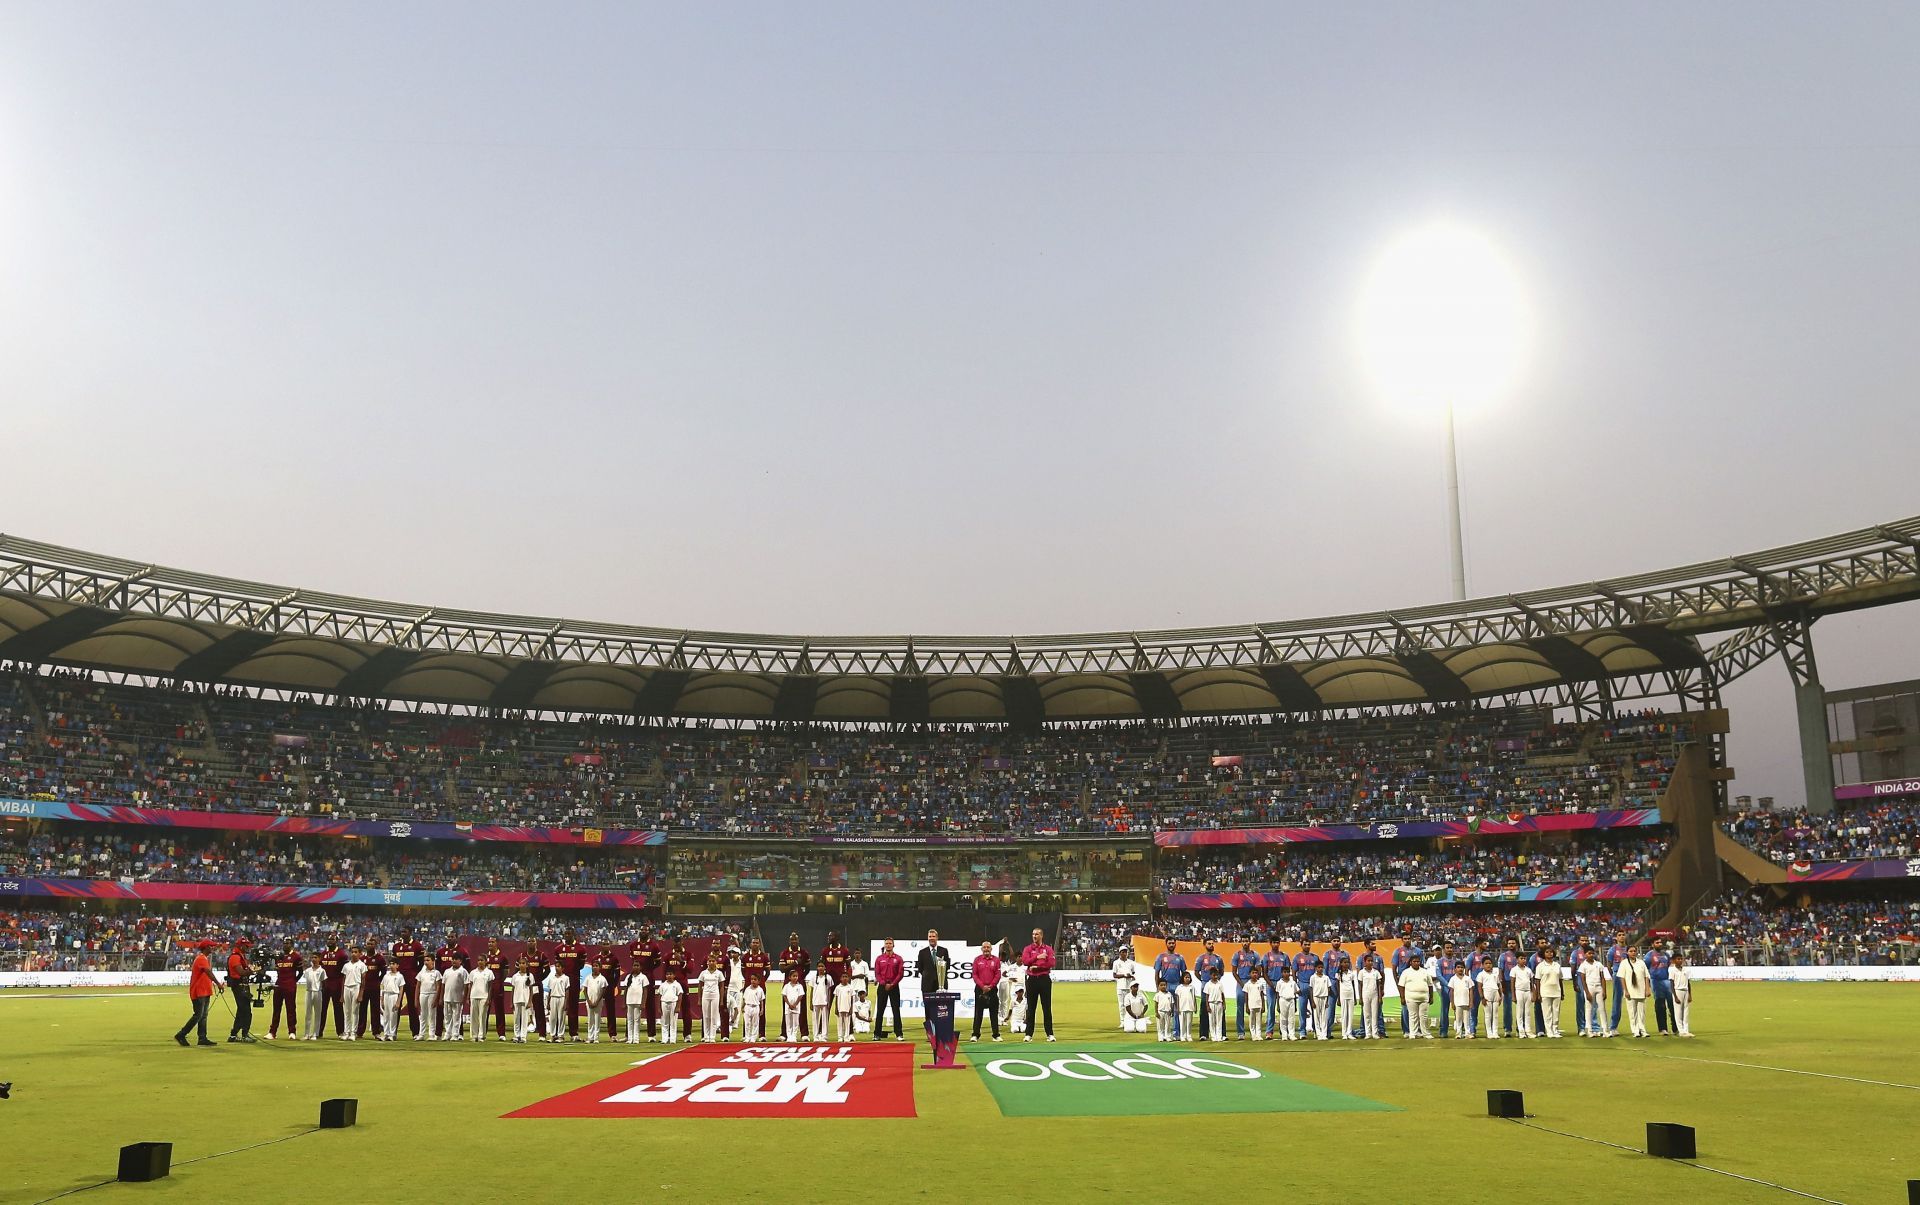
x,y
1442,319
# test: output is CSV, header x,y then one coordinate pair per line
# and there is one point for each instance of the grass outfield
x,y
96,1070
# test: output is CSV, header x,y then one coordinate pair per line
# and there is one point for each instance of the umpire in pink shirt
x,y
888,970
986,990
1038,959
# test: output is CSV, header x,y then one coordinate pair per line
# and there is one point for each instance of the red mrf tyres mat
x,y
870,1079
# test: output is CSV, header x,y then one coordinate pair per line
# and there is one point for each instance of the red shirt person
x,y
755,965
239,976
986,990
1038,959
200,989
795,962
332,959
409,956
571,956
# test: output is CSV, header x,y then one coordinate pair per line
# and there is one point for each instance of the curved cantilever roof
x,y
66,607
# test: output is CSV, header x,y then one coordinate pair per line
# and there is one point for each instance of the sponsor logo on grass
x,y
1114,1081
872,1079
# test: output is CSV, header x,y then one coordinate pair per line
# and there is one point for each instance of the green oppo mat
x,y
1121,1081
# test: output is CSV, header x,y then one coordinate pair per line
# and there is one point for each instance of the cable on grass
x,y
1534,1125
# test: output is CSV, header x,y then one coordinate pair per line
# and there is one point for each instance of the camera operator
x,y
240,978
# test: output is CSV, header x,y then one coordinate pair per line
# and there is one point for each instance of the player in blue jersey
x,y
1660,971
1246,964
1509,959
1207,968
1168,967
1275,965
1616,954
1444,964
1402,959
1370,958
1303,970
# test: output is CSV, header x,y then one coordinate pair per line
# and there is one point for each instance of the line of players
x,y
447,994
1299,997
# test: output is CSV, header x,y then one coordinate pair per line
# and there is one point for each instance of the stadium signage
x,y
1878,790
323,826
1423,895
1511,823
868,1079
1122,1081
237,893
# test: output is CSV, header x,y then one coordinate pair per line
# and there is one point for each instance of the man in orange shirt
x,y
200,989
239,975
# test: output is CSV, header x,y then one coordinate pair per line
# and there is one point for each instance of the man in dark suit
x,y
933,965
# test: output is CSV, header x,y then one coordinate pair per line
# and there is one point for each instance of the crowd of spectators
x,y
696,868
1881,828
69,737
71,940
145,855
1752,927
1318,866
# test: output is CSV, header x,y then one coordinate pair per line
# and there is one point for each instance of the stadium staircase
x,y
1745,862
1690,874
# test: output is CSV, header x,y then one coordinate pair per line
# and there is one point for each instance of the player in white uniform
x,y
1593,977
793,1005
1256,990
1347,986
1370,978
1013,977
1681,981
737,986
1319,1002
753,1002
1134,1009
393,992
1460,996
353,982
1551,984
1286,1006
554,987
314,979
843,1011
1416,989
819,1000
479,992
428,992
1491,990
522,986
713,990
1123,974
1522,1000
593,988
634,988
453,999
1636,985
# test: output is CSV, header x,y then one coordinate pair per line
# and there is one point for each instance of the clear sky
x,y
968,318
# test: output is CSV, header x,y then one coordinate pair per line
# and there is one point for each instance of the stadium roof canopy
x,y
65,607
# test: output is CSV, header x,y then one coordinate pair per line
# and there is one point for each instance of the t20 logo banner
x,y
872,1079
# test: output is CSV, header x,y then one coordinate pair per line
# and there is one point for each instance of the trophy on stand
x,y
941,1034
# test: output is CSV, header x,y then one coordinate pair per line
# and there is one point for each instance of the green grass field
x,y
94,1071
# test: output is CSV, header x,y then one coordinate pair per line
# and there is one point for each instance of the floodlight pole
x,y
1453,514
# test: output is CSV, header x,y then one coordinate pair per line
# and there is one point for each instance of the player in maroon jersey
x,y
409,956
287,966
331,960
447,955
795,962
370,996
836,960
677,965
607,962
571,956
497,962
755,965
643,957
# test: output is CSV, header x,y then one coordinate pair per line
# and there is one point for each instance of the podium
x,y
941,1008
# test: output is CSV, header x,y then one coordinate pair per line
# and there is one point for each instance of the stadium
x,y
194,760
1241,850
